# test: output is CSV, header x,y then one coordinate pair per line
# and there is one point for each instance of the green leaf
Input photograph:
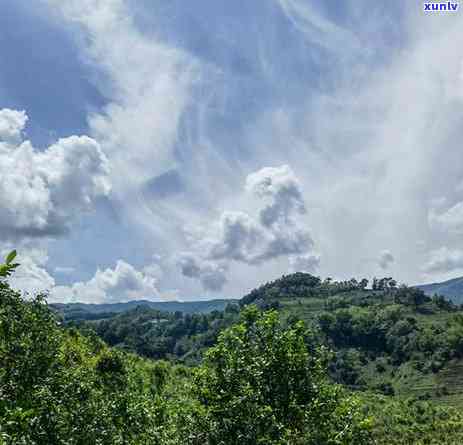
x,y
11,256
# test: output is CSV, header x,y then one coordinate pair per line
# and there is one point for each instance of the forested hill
x,y
385,338
81,311
331,363
305,285
451,289
295,285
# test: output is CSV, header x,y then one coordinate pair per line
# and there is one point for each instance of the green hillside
x,y
391,340
451,289
82,311
259,383
303,361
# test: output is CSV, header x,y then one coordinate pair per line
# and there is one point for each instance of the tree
x,y
442,303
8,267
58,387
262,384
363,283
411,296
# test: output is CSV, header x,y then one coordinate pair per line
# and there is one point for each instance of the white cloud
x,y
385,259
375,145
238,237
119,284
444,260
282,186
12,123
148,85
211,275
31,277
123,283
373,169
317,28
284,241
308,263
43,192
451,220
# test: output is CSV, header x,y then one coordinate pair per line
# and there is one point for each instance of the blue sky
x,y
185,150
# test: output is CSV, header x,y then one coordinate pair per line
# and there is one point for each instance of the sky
x,y
193,150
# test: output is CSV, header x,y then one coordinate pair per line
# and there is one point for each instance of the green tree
x,y
411,296
262,384
363,283
58,387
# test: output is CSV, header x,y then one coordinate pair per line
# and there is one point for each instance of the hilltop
x,y
392,340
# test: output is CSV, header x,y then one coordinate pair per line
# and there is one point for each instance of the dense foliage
x,y
408,421
165,335
298,284
58,387
305,285
265,379
80,311
262,385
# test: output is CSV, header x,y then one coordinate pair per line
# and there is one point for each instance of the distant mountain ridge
x,y
78,311
451,289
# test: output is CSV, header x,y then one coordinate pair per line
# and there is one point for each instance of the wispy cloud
x,y
318,29
444,260
362,102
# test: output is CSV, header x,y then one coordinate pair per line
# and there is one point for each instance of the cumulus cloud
x,y
12,123
122,283
370,167
239,237
308,263
444,260
148,86
31,277
385,259
211,275
281,185
285,241
42,192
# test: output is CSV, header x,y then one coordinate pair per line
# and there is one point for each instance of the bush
x,y
260,384
58,387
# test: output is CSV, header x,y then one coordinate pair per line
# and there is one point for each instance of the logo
x,y
440,7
